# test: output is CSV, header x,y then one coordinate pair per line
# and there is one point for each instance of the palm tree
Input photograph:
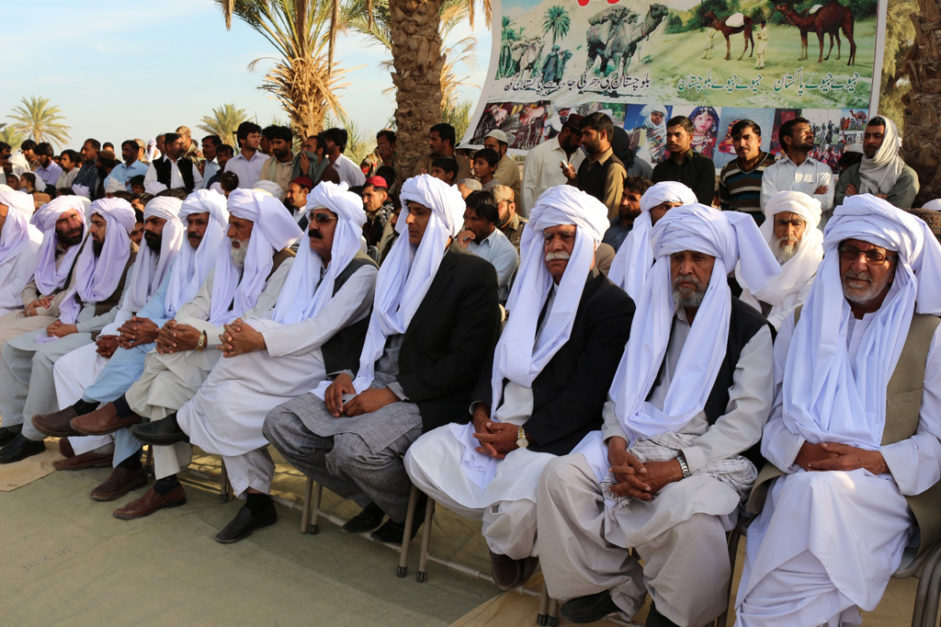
x,y
38,118
303,79
556,22
224,121
11,136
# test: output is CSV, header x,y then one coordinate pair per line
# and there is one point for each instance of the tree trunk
x,y
417,59
922,134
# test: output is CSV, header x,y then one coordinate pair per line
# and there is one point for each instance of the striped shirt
x,y
740,189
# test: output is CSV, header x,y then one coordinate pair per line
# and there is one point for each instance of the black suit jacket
x,y
572,388
450,337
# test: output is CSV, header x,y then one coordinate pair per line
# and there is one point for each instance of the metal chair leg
x,y
305,509
422,574
552,616
402,569
543,614
225,492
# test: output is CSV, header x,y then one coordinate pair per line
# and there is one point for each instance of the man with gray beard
x,y
791,229
665,475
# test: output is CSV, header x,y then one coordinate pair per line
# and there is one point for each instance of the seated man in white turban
x,y
791,230
881,171
248,274
855,433
434,322
62,223
666,475
82,386
544,388
26,385
635,257
19,248
316,327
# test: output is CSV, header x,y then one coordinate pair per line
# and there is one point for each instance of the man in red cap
x,y
378,207
295,197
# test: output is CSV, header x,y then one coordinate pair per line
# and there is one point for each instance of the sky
x,y
137,68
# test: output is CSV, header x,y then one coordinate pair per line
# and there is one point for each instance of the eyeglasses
x,y
322,218
873,257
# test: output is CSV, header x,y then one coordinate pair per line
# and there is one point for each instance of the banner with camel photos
x,y
715,61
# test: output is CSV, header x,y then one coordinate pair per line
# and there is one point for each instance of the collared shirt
x,y
176,179
613,185
349,172
124,173
695,171
543,170
66,179
785,175
50,173
279,172
209,171
740,189
501,254
248,170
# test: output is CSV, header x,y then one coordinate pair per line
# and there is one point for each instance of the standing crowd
x,y
608,363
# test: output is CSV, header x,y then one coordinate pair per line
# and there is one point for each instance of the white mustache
x,y
558,254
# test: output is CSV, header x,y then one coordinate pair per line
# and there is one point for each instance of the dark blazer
x,y
572,388
450,337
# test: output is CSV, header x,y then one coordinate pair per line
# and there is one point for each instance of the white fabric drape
x,y
150,267
48,277
879,174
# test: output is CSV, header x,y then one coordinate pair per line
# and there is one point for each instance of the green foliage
x,y
38,118
11,136
358,142
674,24
223,121
458,115
557,22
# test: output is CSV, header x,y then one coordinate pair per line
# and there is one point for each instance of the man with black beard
x,y
280,164
797,172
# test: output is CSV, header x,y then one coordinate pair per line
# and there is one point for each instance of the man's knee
x,y
560,473
276,425
350,451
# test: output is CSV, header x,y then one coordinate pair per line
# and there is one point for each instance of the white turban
x,y
273,229
304,293
269,187
827,396
519,355
634,258
21,202
727,236
879,174
932,205
151,267
17,235
407,272
114,185
97,276
48,276
192,266
785,291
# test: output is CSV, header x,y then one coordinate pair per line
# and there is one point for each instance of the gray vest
x,y
341,352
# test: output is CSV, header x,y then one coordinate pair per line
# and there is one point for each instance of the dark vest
x,y
341,352
592,180
162,166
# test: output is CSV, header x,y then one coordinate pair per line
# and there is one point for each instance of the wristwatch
x,y
201,342
521,440
683,465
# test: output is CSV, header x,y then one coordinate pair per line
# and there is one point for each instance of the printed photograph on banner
x,y
728,116
749,53
780,117
646,126
523,122
829,140
705,121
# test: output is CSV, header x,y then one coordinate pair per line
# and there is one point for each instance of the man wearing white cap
x,y
434,321
62,223
635,256
855,432
19,248
26,382
881,172
791,230
247,278
666,474
316,327
508,171
544,389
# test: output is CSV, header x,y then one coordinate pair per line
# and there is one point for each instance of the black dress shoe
x,y
588,609
20,448
160,432
8,433
392,532
656,619
244,523
367,520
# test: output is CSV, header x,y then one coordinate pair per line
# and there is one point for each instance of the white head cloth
x,y
273,229
407,272
269,187
304,293
150,267
193,266
826,395
520,356
727,236
114,185
783,289
879,174
48,277
17,231
932,205
633,260
217,187
96,277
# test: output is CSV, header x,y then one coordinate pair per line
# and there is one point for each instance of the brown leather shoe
x,y
56,424
103,420
119,482
91,459
150,502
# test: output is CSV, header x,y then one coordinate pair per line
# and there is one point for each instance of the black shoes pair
x,y
245,522
588,609
391,532
18,448
160,432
